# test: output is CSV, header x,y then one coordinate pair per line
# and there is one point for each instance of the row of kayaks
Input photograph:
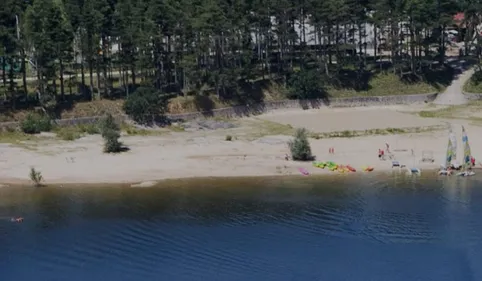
x,y
332,166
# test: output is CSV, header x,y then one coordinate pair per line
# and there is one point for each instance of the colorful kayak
x,y
319,164
350,168
303,171
368,169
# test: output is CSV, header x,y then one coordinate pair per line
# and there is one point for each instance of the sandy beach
x,y
258,147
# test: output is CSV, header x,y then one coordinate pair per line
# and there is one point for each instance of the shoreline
x,y
160,183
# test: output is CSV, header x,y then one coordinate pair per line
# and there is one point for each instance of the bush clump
x,y
300,147
110,133
144,105
36,177
306,84
91,129
69,133
36,123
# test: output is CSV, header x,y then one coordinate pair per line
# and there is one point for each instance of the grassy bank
x,y
381,84
474,84
71,133
339,86
388,85
470,112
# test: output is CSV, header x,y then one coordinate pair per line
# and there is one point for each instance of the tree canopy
x,y
214,46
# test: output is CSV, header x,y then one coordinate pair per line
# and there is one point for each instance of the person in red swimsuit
x,y
19,219
380,153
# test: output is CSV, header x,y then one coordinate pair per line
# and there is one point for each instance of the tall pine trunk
x,y
62,89
11,87
4,74
91,65
24,72
105,47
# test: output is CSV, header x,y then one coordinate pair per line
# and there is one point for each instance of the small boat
x,y
368,168
415,171
350,168
451,155
445,172
466,174
467,156
303,171
319,164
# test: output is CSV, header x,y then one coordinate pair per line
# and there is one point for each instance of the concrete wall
x,y
472,96
243,111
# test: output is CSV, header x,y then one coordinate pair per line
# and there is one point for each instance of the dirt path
x,y
453,94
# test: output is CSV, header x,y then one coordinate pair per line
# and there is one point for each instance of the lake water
x,y
304,228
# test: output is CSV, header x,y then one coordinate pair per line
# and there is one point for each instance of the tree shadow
x,y
84,92
163,121
358,80
314,103
123,148
251,92
204,104
439,77
61,106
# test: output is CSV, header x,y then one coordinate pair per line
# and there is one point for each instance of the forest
x,y
58,50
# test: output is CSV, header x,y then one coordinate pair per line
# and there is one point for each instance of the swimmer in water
x,y
20,219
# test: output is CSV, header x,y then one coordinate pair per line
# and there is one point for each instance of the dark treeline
x,y
194,46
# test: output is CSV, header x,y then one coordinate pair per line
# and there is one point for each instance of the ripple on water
x,y
276,234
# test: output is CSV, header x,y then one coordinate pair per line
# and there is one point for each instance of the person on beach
x,y
381,153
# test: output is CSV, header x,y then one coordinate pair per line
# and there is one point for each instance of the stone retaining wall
x,y
472,96
243,111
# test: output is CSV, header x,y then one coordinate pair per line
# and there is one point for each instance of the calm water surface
x,y
354,228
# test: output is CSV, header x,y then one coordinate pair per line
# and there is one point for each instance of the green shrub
x,y
91,129
69,133
229,138
110,132
36,177
48,100
111,141
108,123
35,123
300,146
144,105
306,84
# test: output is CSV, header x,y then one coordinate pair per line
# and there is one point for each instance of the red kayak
x,y
350,168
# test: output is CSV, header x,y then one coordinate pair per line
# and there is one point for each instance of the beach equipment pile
x,y
334,167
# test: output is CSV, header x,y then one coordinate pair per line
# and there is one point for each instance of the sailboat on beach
x,y
451,154
451,149
467,166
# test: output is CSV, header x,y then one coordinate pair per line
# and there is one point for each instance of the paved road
x,y
453,93
114,74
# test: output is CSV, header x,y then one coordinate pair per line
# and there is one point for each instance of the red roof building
x,y
459,19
